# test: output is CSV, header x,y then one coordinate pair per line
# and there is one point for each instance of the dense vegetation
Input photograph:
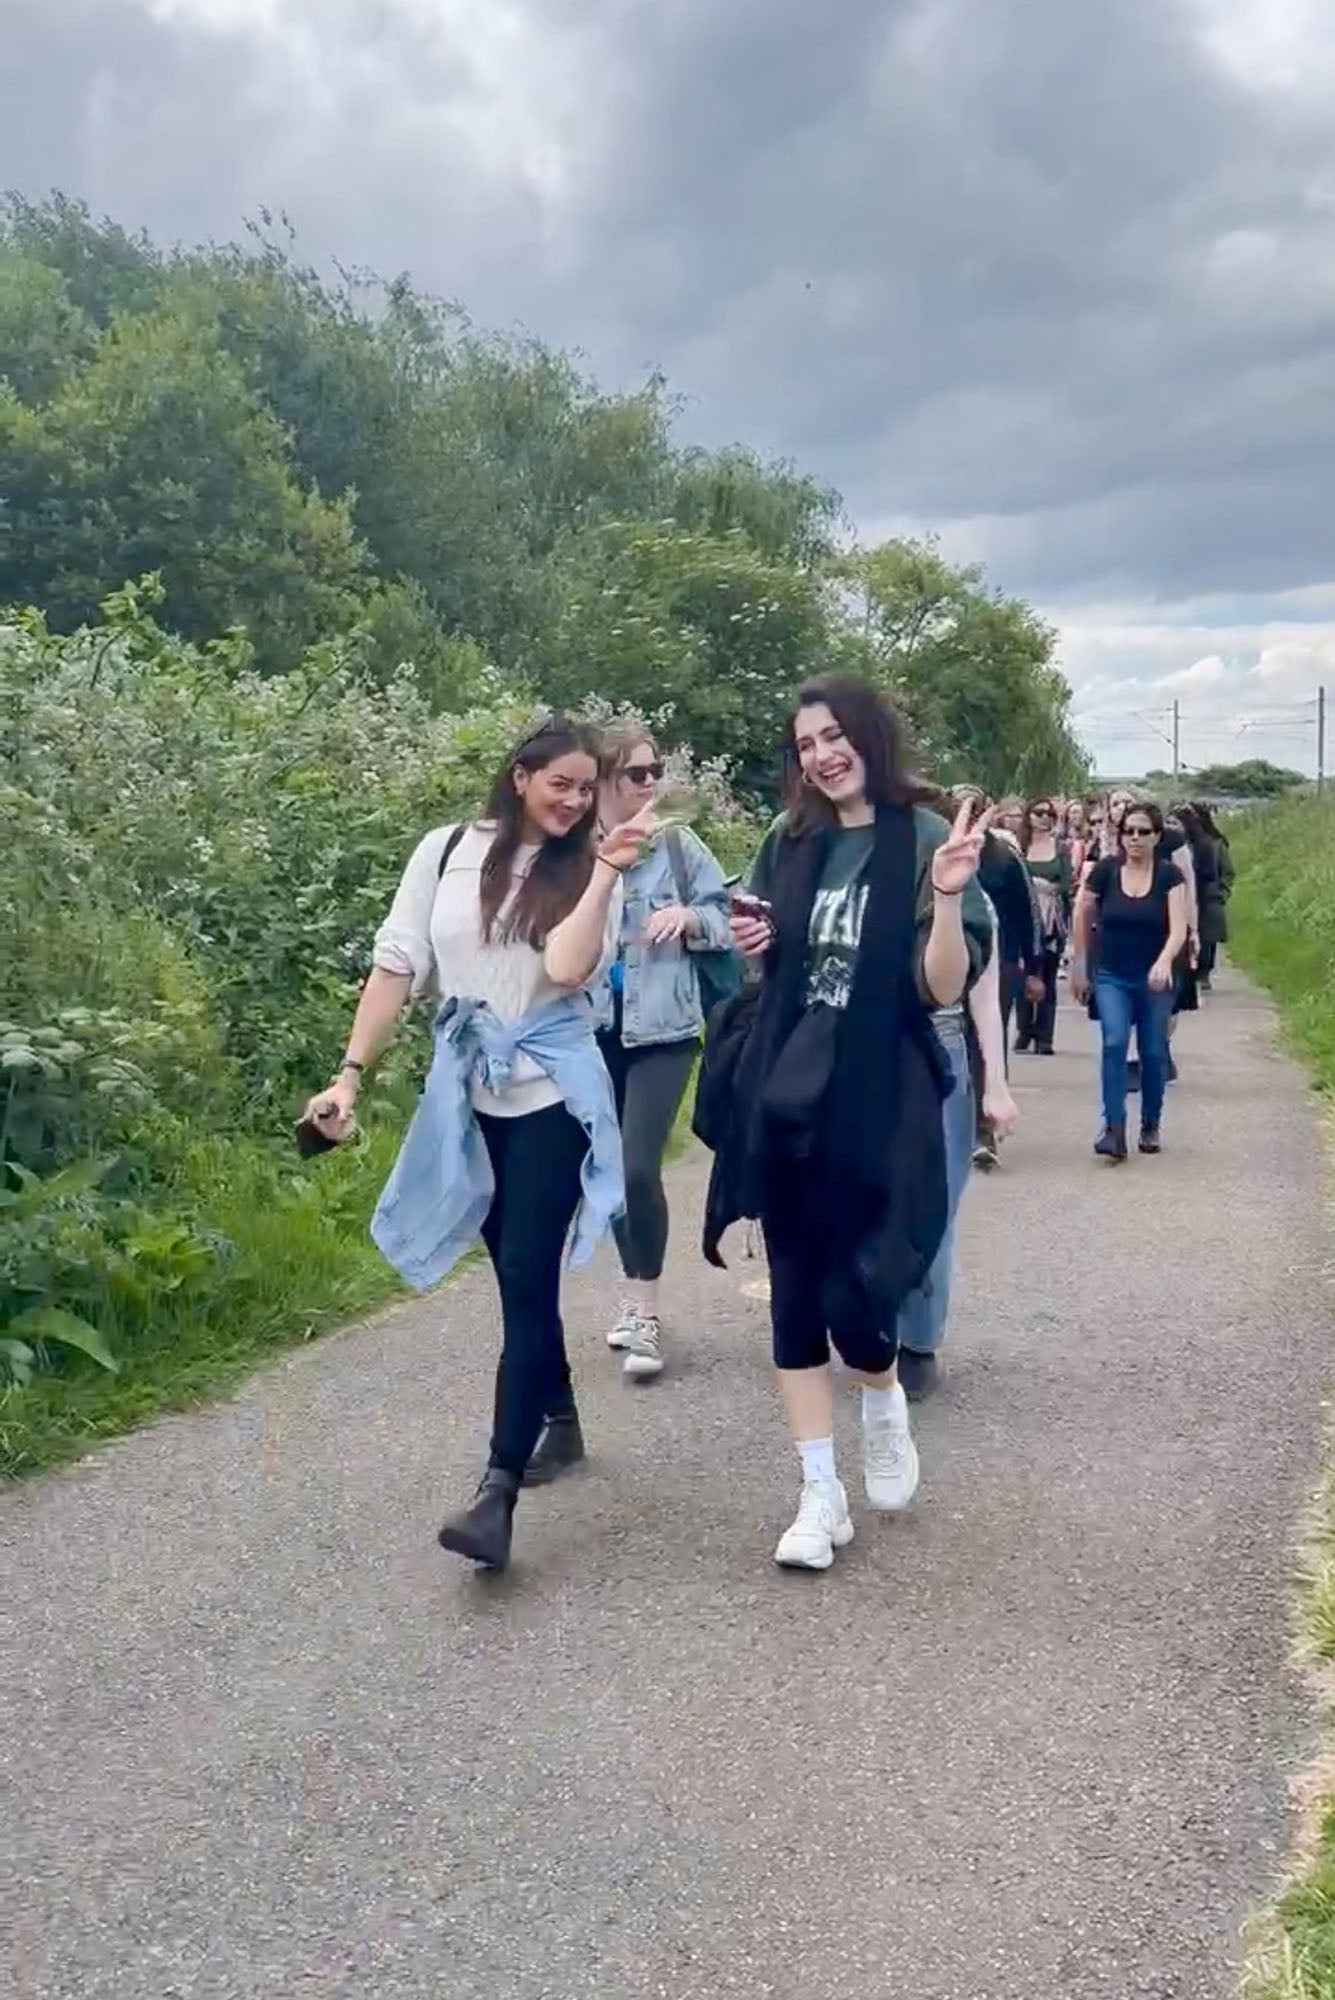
x,y
287,564
1283,915
1253,778
310,461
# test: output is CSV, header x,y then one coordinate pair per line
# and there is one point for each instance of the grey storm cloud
x,y
1057,275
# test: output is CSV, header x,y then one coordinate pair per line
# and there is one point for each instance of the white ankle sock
x,y
818,1460
885,1406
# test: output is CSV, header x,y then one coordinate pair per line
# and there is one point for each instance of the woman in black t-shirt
x,y
1142,928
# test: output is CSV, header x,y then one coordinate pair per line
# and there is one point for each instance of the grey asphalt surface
x,y
262,1738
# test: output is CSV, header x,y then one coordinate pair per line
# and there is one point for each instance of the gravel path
x,y
1026,1743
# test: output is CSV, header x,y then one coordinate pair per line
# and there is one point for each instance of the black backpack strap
x,y
456,834
676,854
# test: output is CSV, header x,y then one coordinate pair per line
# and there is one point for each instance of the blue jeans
x,y
1120,1009
921,1322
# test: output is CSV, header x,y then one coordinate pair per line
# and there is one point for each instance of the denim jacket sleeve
x,y
708,896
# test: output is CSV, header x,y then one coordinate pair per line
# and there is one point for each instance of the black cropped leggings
x,y
815,1299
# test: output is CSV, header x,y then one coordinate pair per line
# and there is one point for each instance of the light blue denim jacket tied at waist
x,y
440,1188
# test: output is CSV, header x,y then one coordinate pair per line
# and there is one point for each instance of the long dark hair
x,y
561,868
1027,829
1207,819
877,731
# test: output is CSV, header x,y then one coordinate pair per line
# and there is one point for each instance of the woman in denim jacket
x,y
649,1019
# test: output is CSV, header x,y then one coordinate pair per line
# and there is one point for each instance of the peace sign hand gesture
x,y
955,862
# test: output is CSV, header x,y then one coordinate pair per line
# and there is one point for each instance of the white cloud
x,y
1201,674
1251,694
1284,46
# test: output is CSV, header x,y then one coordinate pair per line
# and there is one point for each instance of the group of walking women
x,y
860,986
1135,906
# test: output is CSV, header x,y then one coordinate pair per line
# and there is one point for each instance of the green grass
x,y
298,1262
1282,918
1283,923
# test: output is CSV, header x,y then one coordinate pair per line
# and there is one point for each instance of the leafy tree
x,y
704,631
43,334
1254,778
158,454
973,668
316,458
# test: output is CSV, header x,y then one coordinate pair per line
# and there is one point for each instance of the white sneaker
x,y
889,1463
644,1349
623,1332
821,1527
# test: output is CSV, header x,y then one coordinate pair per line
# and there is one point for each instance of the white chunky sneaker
x,y
821,1527
644,1349
623,1332
889,1463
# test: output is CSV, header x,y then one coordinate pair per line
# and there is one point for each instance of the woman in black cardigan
x,y
823,1088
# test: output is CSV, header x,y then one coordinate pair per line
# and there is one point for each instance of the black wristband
x,y
348,1062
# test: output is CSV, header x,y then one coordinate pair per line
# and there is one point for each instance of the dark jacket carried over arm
x,y
1005,879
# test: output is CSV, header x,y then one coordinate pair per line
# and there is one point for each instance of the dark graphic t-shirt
x,y
836,917
835,929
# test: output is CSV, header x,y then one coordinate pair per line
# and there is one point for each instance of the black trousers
x,y
536,1163
814,1297
649,1084
1036,1020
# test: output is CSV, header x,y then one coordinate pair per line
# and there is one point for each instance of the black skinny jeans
x,y
649,1084
536,1163
1037,1020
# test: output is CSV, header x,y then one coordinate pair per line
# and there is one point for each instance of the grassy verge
x,y
1293,1954
1283,922
299,1262
294,1261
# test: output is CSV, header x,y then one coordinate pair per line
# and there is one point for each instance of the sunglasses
x,y
643,774
1138,833
1041,812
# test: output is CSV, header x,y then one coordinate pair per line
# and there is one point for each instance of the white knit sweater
x,y
434,932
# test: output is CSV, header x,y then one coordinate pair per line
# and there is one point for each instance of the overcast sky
x,y
1053,280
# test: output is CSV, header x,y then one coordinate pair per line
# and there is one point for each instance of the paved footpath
x,y
1027,1743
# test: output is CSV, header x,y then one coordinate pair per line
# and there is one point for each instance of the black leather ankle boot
x,y
482,1532
1111,1143
560,1446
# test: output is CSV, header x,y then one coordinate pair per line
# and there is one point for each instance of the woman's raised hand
x,y
955,862
621,846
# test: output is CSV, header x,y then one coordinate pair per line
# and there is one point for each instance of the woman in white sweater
x,y
510,917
